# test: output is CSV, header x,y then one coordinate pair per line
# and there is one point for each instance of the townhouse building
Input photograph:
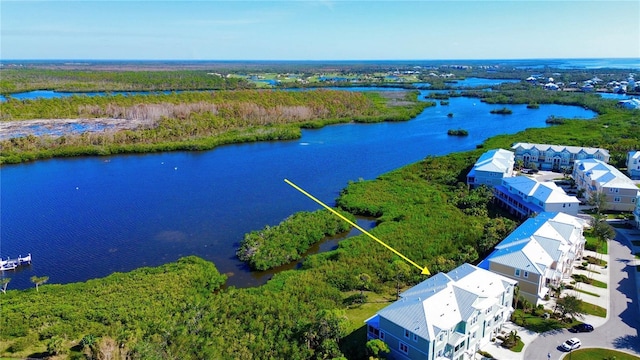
x,y
448,316
539,253
491,168
595,176
524,196
555,157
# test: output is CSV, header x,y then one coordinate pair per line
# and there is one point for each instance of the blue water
x,y
50,94
615,96
84,218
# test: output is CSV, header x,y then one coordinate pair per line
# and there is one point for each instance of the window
x,y
518,272
633,201
406,333
440,337
616,199
373,331
415,337
526,274
403,347
381,335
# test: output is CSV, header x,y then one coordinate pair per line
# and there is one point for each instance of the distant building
x,y
555,157
448,316
595,176
525,196
633,164
491,168
538,254
551,86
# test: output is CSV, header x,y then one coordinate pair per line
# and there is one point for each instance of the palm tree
x,y
402,271
4,282
598,200
39,280
511,340
365,281
516,296
570,305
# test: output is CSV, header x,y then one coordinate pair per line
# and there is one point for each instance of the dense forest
x,y
182,310
20,80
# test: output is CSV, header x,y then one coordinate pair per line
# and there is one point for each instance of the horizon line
x,y
321,60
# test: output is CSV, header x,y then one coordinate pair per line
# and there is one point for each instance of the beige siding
x,y
528,286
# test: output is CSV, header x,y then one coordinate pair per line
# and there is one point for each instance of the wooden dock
x,y
12,264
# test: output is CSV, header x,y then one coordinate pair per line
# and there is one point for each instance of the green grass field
x,y
597,354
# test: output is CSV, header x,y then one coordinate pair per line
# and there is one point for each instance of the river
x,y
84,218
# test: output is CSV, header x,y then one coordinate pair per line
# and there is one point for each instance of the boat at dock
x,y
12,264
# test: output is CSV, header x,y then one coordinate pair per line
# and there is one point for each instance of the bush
x,y
485,354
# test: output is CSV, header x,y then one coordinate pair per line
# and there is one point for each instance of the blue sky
x,y
318,30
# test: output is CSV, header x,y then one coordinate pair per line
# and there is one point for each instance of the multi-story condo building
x,y
448,316
595,176
491,168
539,253
525,196
633,164
555,157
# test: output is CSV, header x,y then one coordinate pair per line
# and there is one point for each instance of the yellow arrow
x,y
424,270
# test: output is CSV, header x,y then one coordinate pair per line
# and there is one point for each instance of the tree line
x,y
75,80
194,120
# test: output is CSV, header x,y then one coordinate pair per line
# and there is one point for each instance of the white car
x,y
571,344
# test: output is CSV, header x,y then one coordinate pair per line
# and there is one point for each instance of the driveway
x,y
620,331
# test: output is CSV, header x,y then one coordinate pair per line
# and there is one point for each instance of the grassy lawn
x,y
355,341
593,243
590,354
357,314
536,323
518,347
587,292
593,282
595,261
592,309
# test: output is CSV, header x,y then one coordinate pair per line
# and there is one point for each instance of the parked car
x,y
571,344
581,328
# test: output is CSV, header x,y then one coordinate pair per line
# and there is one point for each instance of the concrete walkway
x,y
619,330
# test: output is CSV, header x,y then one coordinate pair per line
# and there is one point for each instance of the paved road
x,y
620,331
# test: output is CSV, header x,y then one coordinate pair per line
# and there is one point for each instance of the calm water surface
x,y
84,218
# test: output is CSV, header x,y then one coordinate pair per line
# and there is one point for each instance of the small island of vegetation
x,y
554,120
289,240
457,132
502,111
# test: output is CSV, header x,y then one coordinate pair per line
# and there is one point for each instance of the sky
x,y
318,30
